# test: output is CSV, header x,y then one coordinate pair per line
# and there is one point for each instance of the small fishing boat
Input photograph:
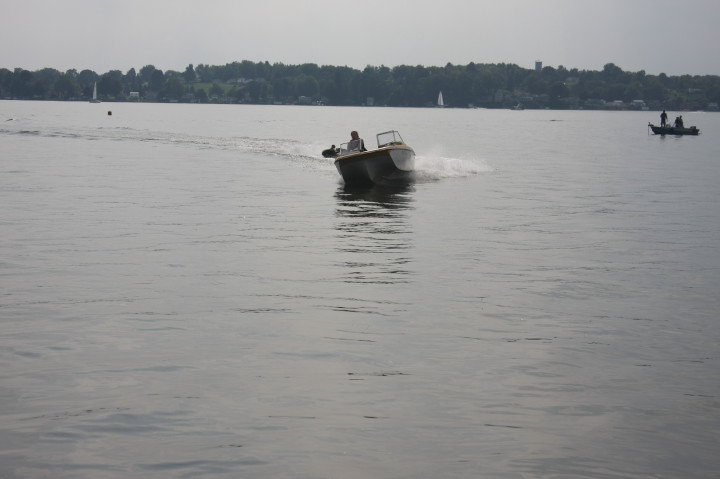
x,y
673,130
391,160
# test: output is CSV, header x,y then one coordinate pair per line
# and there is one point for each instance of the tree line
x,y
480,85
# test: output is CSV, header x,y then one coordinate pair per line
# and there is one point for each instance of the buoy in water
x,y
109,113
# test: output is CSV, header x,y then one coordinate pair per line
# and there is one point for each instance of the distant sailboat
x,y
94,98
440,103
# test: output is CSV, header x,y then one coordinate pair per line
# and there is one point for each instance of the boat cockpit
x,y
386,138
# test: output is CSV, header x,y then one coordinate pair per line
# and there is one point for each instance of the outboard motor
x,y
331,152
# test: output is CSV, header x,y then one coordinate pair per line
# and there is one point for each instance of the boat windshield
x,y
386,138
353,146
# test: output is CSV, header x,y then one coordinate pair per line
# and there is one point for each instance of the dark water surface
x,y
189,291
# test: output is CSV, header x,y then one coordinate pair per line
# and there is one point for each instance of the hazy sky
x,y
658,36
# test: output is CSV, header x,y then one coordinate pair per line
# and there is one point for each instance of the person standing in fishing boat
x,y
663,118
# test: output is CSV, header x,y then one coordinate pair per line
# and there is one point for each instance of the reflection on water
x,y
374,236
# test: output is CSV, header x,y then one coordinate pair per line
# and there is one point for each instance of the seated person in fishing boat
x,y
679,122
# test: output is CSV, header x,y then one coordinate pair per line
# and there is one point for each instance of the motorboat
x,y
673,130
391,160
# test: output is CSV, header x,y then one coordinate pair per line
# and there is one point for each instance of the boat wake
x,y
304,155
434,168
267,146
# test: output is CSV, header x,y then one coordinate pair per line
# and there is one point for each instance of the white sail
x,y
94,97
440,102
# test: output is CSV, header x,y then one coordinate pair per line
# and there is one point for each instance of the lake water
x,y
189,291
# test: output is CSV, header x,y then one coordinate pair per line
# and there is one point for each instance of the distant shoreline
x,y
115,102
491,86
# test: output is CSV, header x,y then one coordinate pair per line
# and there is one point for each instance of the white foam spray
x,y
433,168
